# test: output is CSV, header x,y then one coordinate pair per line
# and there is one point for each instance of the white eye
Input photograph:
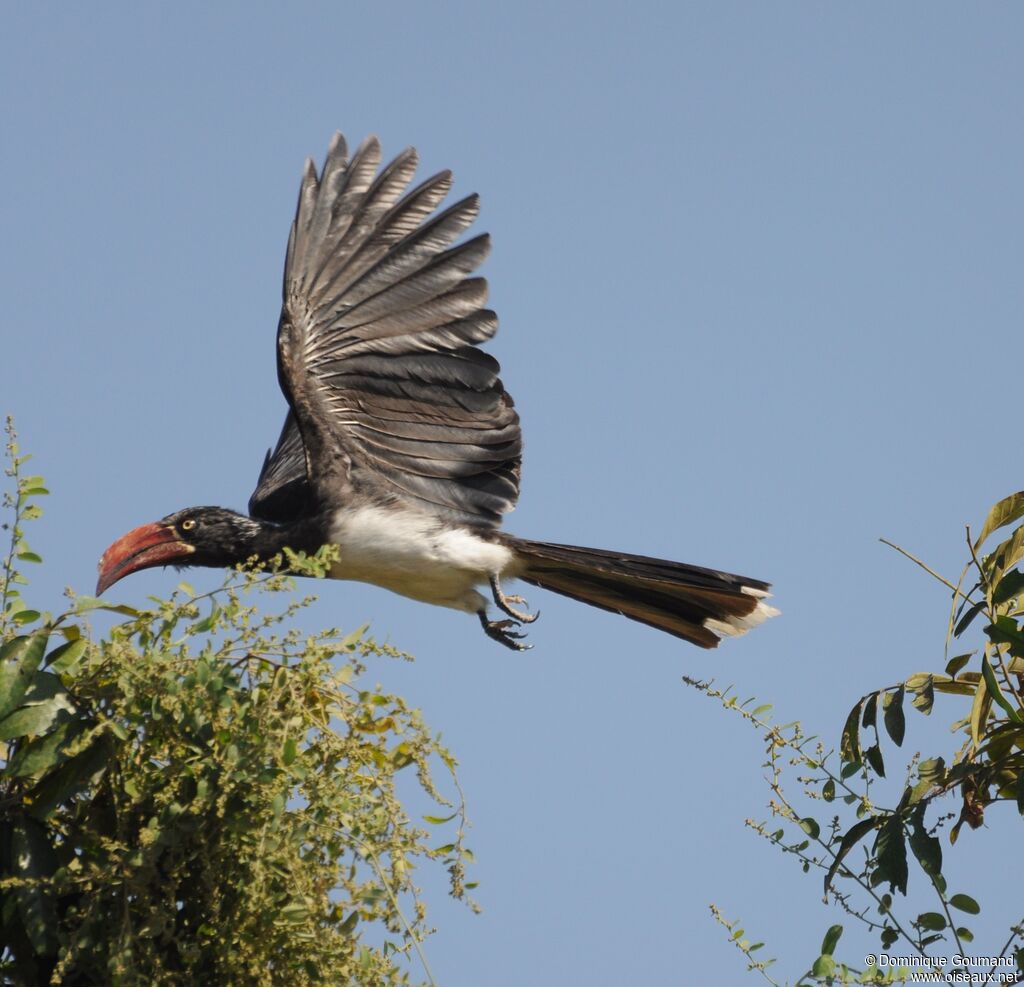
x,y
188,525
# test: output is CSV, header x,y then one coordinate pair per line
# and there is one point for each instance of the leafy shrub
x,y
205,794
866,850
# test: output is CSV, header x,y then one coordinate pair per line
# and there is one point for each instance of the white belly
x,y
415,555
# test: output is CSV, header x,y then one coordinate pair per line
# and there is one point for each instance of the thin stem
x,y
949,918
16,505
369,854
928,569
1015,931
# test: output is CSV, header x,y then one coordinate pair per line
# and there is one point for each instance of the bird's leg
x,y
504,603
501,631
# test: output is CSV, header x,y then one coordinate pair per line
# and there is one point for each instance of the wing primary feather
x,y
377,349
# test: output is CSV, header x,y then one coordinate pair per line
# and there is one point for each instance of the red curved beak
x,y
141,548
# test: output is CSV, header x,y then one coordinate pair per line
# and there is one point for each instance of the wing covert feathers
x,y
377,342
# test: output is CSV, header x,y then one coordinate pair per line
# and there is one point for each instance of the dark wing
x,y
282,492
377,345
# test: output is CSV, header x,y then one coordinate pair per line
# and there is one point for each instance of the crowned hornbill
x,y
401,446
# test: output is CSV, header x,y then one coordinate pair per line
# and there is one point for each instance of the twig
x,y
928,569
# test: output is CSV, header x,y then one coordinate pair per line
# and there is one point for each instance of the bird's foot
x,y
502,631
504,603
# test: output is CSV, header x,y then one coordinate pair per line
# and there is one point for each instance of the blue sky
x,y
758,271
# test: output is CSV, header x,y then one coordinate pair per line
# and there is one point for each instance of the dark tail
x,y
698,605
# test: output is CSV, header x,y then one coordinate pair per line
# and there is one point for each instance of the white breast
x,y
416,555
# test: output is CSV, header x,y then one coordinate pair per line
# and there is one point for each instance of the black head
x,y
203,536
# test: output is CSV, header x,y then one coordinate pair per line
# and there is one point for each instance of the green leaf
x,y
849,745
874,757
43,753
1011,585
26,616
955,664
927,849
824,966
67,656
811,828
979,711
850,839
964,934
1005,556
966,685
349,642
32,720
891,855
828,790
965,903
870,717
997,693
895,722
291,751
924,694
1006,631
294,911
932,921
84,604
931,772
206,624
29,557
74,776
19,661
437,820
1008,510
828,944
44,685
969,614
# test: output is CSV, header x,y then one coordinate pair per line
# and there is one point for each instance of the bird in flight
x,y
401,446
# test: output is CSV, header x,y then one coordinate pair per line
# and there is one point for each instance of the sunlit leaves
x,y
20,657
923,689
1006,511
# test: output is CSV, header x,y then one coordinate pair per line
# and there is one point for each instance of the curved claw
x,y
502,632
504,603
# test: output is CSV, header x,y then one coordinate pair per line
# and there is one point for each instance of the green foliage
x,y
869,858
204,795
